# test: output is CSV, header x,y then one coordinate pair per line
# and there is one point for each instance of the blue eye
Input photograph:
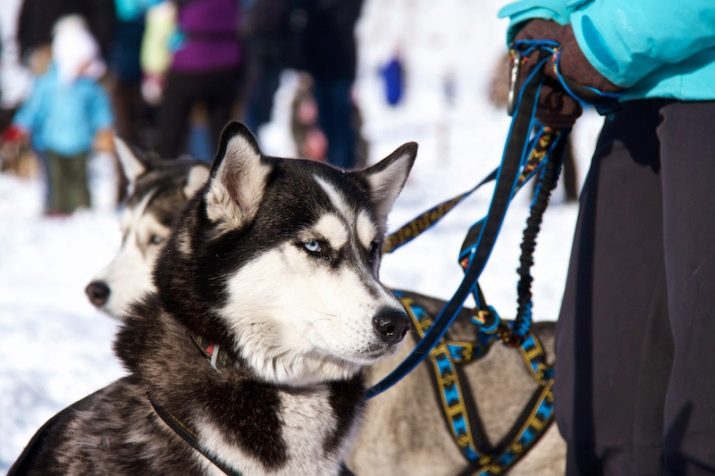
x,y
312,246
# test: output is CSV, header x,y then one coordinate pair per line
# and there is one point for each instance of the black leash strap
x,y
517,144
189,436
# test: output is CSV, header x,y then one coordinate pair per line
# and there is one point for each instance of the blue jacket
x,y
64,118
654,48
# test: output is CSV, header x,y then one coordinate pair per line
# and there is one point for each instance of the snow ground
x,y
55,348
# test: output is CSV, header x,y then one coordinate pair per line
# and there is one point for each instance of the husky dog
x,y
403,431
158,189
248,357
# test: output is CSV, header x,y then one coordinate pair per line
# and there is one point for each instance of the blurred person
x,y
126,78
14,79
393,79
634,391
65,115
273,32
330,55
15,83
204,69
308,137
37,17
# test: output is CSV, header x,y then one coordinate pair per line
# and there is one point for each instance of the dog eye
x,y
313,246
155,239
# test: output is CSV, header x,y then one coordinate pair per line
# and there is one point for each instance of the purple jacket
x,y
210,36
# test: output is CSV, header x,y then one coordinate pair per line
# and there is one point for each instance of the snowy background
x,y
55,347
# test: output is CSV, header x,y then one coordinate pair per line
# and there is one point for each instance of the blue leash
x,y
523,131
513,157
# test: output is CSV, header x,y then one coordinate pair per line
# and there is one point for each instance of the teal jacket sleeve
x,y
31,111
627,40
524,10
101,109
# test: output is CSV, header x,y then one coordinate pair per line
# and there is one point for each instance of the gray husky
x,y
248,358
402,431
158,190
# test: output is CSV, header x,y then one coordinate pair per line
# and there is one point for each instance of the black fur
x,y
346,400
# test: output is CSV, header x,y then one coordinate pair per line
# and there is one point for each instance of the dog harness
x,y
446,364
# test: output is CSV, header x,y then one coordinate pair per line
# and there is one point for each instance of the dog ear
x,y
198,175
238,178
387,177
131,164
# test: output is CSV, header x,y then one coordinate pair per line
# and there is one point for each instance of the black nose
x,y
391,325
97,292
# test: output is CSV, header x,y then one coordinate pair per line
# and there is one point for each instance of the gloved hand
x,y
14,134
556,108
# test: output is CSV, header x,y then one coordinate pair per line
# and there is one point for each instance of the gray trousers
x,y
68,183
635,367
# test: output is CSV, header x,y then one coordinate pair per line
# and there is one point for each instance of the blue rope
x,y
474,269
526,47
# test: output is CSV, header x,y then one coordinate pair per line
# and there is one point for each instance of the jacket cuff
x,y
578,67
599,54
525,10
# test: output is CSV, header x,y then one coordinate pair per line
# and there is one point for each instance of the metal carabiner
x,y
514,67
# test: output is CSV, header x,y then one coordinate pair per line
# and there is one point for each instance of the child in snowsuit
x,y
65,114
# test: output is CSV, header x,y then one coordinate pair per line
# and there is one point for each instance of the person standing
x,y
67,114
37,18
330,56
204,70
634,391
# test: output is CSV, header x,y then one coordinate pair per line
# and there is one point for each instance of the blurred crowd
x,y
167,76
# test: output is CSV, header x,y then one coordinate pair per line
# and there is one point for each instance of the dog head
x,y
158,190
279,259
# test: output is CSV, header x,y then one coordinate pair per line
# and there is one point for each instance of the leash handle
x,y
605,102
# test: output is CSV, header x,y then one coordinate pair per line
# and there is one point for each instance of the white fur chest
x,y
308,421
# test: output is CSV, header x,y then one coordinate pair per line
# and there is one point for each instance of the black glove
x,y
556,108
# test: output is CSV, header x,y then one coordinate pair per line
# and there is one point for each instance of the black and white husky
x,y
158,190
402,432
248,357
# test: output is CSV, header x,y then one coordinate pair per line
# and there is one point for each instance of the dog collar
x,y
213,353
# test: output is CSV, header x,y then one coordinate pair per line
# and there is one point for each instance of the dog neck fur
x,y
253,426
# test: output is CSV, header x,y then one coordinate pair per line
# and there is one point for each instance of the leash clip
x,y
514,68
487,320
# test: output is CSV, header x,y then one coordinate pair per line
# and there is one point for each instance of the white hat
x,y
73,46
